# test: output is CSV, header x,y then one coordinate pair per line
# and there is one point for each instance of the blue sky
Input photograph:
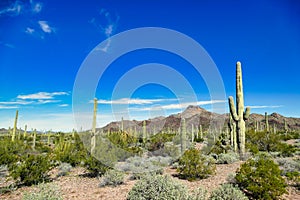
x,y
44,43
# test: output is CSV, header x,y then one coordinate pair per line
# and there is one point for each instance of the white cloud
x,y
8,107
41,95
36,7
129,101
178,106
29,30
15,102
264,106
14,9
45,27
63,105
107,29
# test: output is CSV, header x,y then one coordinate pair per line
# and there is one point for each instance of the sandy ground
x,y
75,186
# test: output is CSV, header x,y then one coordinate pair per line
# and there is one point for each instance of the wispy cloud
x,y
108,28
13,9
130,101
16,8
29,30
7,45
36,7
178,106
8,107
265,106
15,102
63,105
42,95
45,27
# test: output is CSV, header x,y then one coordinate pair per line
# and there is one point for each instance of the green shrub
x,y
227,158
44,191
72,152
194,165
261,178
10,152
112,177
159,188
32,170
227,192
95,167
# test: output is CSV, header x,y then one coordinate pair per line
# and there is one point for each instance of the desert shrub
x,y
94,166
260,177
140,166
231,178
32,170
64,169
171,150
266,141
161,160
158,187
45,191
198,194
10,152
194,165
72,152
227,192
112,177
288,165
157,141
227,158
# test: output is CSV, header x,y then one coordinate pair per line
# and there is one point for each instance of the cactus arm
x,y
232,109
247,113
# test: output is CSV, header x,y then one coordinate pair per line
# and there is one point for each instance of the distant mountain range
x,y
196,116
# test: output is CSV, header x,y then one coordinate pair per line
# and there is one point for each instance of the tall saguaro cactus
x,y
144,132
25,132
238,114
183,136
232,127
267,122
93,134
15,127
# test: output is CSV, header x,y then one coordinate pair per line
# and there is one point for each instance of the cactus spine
x,y
267,122
183,136
238,114
15,127
93,134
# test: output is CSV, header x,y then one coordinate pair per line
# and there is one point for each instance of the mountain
x,y
196,116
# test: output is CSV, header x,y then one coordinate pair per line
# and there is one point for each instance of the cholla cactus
x,y
238,114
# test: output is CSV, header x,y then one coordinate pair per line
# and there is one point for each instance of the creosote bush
x,y
45,191
112,177
193,165
227,192
158,187
32,170
260,177
227,158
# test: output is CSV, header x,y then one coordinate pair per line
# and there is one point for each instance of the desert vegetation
x,y
158,163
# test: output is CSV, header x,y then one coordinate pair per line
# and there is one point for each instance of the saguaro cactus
x,y
15,127
183,136
144,132
267,122
34,139
232,127
93,134
25,132
238,114
286,129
